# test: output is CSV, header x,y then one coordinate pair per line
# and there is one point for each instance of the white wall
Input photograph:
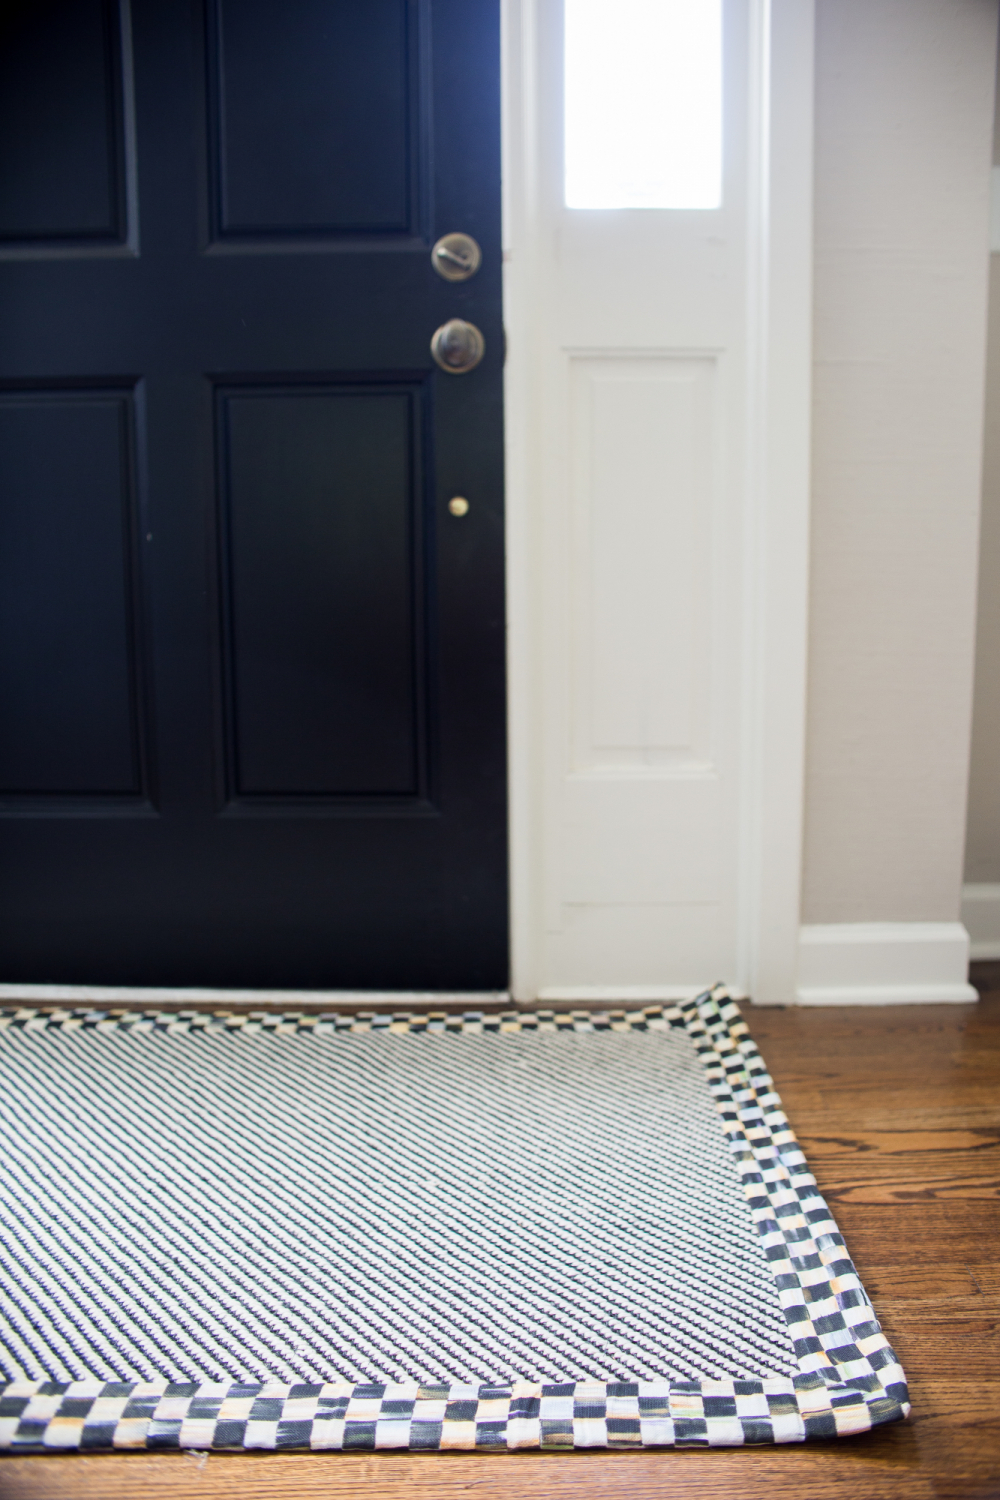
x,y
904,109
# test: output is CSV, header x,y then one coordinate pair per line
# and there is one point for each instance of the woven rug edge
x,y
849,1379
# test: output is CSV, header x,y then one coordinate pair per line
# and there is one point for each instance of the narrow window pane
x,y
643,103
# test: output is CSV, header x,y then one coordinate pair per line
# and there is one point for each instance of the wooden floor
x,y
899,1113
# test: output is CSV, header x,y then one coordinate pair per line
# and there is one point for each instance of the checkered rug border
x,y
849,1379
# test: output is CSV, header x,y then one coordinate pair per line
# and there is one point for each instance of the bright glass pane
x,y
643,103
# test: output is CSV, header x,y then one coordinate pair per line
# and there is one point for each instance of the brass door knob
x,y
458,346
456,257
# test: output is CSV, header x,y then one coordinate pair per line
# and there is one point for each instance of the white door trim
x,y
777,554
519,173
776,515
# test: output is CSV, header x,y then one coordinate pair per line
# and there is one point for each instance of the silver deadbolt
x,y
456,257
458,346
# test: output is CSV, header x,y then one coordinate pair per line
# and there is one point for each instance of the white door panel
x,y
639,408
644,492
619,838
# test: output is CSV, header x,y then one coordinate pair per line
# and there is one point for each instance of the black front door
x,y
251,663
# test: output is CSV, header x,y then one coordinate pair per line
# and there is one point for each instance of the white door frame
x,y
776,505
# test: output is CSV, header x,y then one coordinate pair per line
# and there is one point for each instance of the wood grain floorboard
x,y
899,1113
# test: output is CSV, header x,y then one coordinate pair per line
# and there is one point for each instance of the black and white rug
x,y
419,1232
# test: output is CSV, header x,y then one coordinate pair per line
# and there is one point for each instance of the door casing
x,y
764,843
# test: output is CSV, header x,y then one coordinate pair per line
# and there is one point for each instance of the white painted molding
x,y
522,512
777,547
760,941
884,963
981,916
625,995
293,1000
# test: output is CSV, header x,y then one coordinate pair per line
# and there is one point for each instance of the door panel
x,y
299,647
296,90
322,641
62,149
642,382
70,722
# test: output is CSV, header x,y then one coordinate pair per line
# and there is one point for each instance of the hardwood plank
x,y
901,1286
821,1471
929,1232
887,1143
905,1190
960,1348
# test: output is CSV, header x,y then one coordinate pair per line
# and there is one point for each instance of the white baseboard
x,y
625,995
981,915
884,963
106,994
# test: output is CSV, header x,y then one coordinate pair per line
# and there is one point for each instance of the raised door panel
x,y
62,138
643,466
321,572
314,117
71,724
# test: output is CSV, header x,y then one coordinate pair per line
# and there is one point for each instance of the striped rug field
x,y
424,1232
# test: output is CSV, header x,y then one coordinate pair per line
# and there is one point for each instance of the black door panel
x,y
251,669
315,113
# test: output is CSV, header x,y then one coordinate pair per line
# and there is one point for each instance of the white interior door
x,y
658,501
